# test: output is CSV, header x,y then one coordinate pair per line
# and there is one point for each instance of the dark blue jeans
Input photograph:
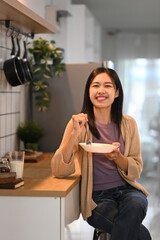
x,y
120,212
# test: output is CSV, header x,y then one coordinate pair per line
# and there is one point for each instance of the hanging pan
x,y
26,65
13,67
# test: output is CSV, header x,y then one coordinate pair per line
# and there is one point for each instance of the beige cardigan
x,y
132,152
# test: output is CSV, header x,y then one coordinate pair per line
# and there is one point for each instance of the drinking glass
x,y
16,159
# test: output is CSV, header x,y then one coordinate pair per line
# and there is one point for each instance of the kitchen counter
x,y
38,181
44,208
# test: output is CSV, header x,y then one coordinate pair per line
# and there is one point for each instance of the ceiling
x,y
125,15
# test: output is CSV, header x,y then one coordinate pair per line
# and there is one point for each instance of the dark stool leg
x,y
96,234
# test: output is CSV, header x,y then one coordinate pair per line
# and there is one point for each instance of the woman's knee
x,y
103,216
136,203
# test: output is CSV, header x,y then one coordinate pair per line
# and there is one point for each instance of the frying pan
x,y
21,61
26,65
13,67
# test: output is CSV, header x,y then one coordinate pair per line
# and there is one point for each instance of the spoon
x,y
87,133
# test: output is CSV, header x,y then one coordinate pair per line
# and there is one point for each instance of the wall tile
x,y
4,83
3,126
10,101
3,147
2,103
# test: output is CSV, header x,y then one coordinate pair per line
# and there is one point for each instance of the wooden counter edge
x,y
38,193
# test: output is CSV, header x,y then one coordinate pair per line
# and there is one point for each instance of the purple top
x,y
105,173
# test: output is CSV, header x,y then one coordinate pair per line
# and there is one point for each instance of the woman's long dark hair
x,y
117,105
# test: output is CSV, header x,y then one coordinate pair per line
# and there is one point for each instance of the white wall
x,y
79,34
85,43
36,6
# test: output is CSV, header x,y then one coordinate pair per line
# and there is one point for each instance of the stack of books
x,y
8,181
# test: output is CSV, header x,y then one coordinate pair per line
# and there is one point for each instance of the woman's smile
x,y
102,91
101,98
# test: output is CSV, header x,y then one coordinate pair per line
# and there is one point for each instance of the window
x,y
141,83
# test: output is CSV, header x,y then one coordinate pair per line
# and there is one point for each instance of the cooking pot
x,y
26,65
13,68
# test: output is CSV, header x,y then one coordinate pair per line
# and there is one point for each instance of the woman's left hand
x,y
115,153
117,157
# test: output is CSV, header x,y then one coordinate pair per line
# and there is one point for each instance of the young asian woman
x,y
111,198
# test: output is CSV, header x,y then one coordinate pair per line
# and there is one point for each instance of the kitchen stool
x,y
98,232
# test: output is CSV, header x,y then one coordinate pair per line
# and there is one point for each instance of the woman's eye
x,y
108,86
95,85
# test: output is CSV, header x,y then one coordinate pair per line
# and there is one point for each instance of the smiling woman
x,y
102,93
111,174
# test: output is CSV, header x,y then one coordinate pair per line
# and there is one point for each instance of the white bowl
x,y
98,147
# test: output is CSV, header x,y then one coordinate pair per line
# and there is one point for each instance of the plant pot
x,y
32,146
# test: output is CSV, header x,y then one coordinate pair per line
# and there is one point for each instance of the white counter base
x,y
39,218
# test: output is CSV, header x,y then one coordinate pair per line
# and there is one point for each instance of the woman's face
x,y
102,91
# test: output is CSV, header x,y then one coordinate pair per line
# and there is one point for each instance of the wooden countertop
x,y
39,182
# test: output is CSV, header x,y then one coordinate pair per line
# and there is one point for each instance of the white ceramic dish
x,y
97,147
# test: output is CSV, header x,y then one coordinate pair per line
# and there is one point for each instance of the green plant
x,y
29,132
46,62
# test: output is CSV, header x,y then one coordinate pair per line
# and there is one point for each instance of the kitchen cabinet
x,y
24,19
39,218
44,208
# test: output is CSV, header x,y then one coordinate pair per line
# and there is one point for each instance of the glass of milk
x,y
16,159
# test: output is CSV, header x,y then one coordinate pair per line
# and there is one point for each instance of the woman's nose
x,y
101,90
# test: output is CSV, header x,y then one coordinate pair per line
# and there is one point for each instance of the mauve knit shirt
x,y
105,173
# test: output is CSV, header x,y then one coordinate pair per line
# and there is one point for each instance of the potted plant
x,y
46,62
30,132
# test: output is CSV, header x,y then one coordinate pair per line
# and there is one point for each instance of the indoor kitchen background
x,y
12,104
136,57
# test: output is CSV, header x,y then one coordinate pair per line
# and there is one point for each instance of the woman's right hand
x,y
79,121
